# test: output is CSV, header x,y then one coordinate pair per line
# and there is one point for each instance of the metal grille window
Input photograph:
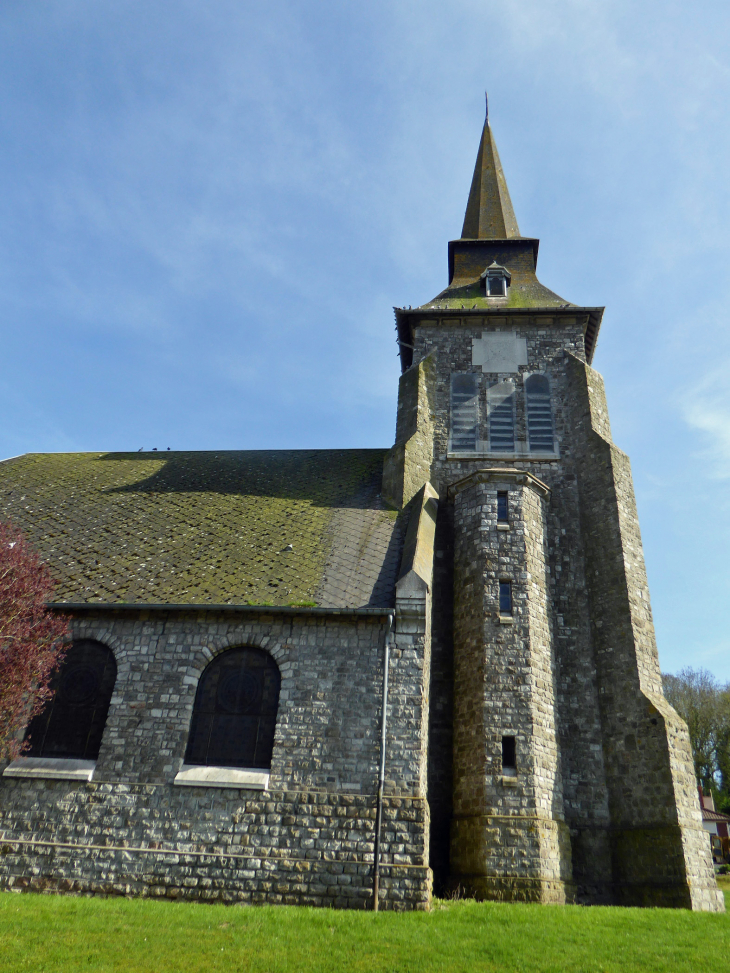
x,y
234,716
464,411
539,414
72,723
505,597
501,410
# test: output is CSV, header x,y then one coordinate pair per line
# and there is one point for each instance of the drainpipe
x,y
381,776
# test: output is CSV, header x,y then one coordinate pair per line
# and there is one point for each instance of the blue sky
x,y
209,210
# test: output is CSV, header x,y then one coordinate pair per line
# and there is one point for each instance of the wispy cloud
x,y
706,408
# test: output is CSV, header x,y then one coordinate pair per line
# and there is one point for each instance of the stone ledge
x,y
463,454
55,768
193,776
500,475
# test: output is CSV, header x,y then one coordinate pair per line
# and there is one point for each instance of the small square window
x,y
502,511
509,755
495,286
505,597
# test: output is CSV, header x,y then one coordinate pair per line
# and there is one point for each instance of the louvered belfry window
x,y
539,414
234,716
464,411
72,724
501,409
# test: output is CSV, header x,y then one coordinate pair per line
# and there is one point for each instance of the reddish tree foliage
x,y
32,639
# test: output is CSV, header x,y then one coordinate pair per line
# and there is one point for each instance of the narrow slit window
x,y
501,408
509,756
539,414
505,597
464,412
502,510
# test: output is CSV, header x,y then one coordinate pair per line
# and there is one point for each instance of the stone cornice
x,y
519,477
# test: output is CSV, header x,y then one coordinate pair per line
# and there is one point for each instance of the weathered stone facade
x,y
509,836
291,847
308,838
530,753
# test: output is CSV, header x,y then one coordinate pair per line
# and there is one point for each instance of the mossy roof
x,y
525,291
209,527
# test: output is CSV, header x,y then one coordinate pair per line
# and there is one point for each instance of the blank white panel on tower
x,y
499,351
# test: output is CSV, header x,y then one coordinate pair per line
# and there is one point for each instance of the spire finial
x,y
489,214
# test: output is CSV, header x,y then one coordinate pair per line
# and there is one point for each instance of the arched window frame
x,y
539,416
225,709
67,735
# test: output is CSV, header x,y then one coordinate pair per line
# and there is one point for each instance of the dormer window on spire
x,y
496,280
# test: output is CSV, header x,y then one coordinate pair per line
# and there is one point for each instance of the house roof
x,y
717,816
209,527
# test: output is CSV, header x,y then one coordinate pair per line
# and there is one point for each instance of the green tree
x,y
704,705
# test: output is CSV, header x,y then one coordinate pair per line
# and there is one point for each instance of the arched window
x,y
501,415
73,722
234,716
464,411
539,414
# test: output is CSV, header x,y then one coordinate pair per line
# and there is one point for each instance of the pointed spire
x,y
489,214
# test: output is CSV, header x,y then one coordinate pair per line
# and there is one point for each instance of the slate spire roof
x,y
489,213
490,235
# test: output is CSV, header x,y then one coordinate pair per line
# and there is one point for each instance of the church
x,y
359,678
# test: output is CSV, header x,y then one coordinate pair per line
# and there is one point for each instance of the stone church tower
x,y
217,728
557,770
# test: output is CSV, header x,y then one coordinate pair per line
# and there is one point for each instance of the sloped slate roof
x,y
209,527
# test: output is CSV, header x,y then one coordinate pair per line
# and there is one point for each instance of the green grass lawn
x,y
55,933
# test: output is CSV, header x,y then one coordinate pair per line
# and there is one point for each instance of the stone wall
x,y
624,773
326,752
302,848
509,837
408,464
448,344
441,699
660,855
